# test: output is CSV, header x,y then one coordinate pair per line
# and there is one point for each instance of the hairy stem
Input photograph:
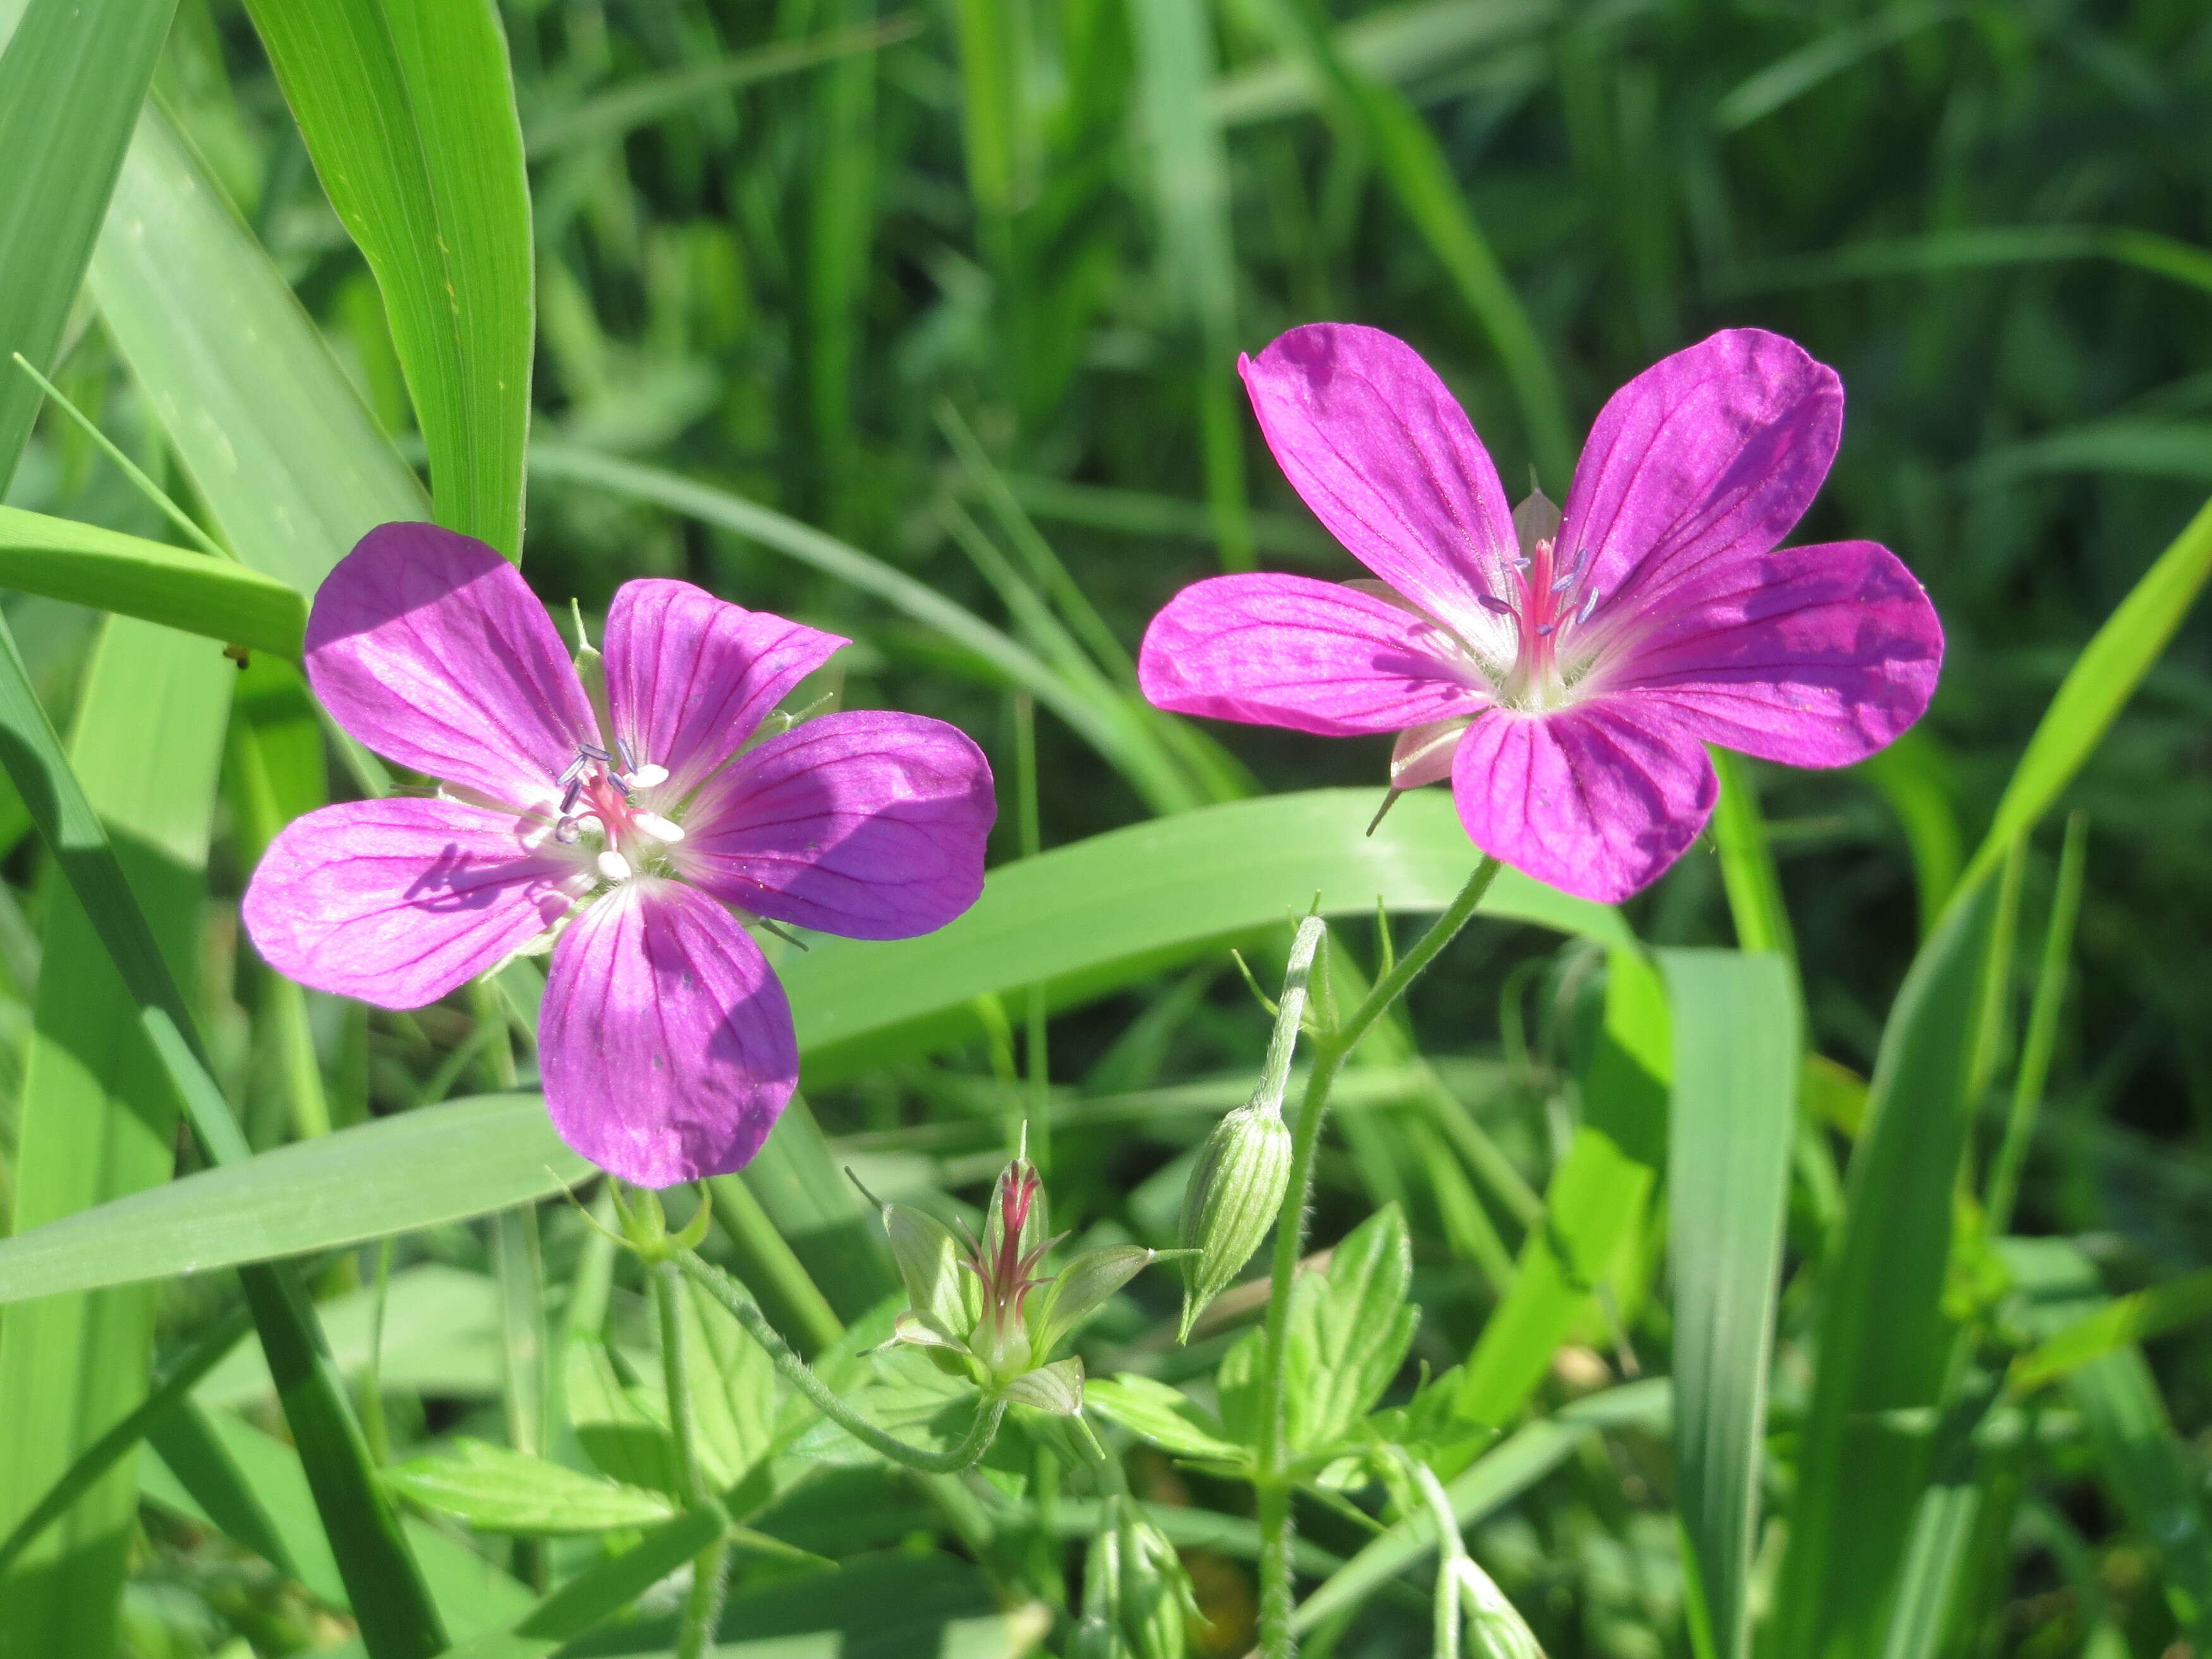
x,y
703,1604
797,1372
1272,1478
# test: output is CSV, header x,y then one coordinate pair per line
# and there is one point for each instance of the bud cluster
x,y
983,1308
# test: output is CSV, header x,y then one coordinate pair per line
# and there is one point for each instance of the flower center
x,y
604,796
1550,606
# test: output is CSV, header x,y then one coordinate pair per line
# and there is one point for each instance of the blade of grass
x,y
98,1120
612,115
2042,1035
1882,1340
1981,248
1595,1205
1189,177
72,77
131,577
276,442
1419,176
409,113
1730,1124
397,1619
2103,677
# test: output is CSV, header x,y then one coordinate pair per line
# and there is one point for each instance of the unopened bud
x,y
1234,1194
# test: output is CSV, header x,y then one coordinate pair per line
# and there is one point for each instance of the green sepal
x,y
1083,1287
1057,1388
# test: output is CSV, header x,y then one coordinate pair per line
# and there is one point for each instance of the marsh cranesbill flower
x,y
630,813
1564,670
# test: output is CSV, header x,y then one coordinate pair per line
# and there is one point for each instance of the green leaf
x,y
1594,1208
72,80
733,1387
1116,907
270,429
1349,1329
156,583
409,113
1378,117
1162,1415
1881,1339
1057,1388
2103,677
494,1490
2122,1323
99,1119
1730,1120
441,1163
624,1439
1487,1486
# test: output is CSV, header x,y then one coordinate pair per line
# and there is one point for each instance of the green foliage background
x,y
961,288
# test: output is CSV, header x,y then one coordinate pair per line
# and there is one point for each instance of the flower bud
x,y
1234,1194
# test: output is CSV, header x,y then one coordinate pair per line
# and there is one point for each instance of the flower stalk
x,y
1330,1047
797,1372
710,1568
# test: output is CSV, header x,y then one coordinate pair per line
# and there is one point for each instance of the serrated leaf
x,y
1057,1388
624,1441
1165,1415
734,1390
496,1490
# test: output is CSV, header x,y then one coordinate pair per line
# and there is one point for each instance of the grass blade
x,y
397,1619
272,432
2103,677
408,110
1881,1339
1730,1122
152,580
1595,1205
72,80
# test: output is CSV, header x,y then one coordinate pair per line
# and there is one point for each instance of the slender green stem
x,y
1272,1478
1036,1123
702,1605
797,1372
2042,1030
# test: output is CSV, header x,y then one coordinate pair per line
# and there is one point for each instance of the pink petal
x,y
430,648
665,1041
1384,456
1717,449
1814,656
1318,657
690,677
397,902
865,823
1596,800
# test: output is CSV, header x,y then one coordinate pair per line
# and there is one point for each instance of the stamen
x,y
1590,604
1582,563
1495,606
575,770
621,752
567,832
660,829
613,866
569,796
1545,630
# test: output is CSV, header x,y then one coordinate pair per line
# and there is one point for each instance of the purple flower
x,y
632,817
1565,671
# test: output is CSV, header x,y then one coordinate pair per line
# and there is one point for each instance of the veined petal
x,y
1386,457
1319,657
689,676
431,649
1596,800
1812,656
665,1041
1718,448
397,902
866,824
